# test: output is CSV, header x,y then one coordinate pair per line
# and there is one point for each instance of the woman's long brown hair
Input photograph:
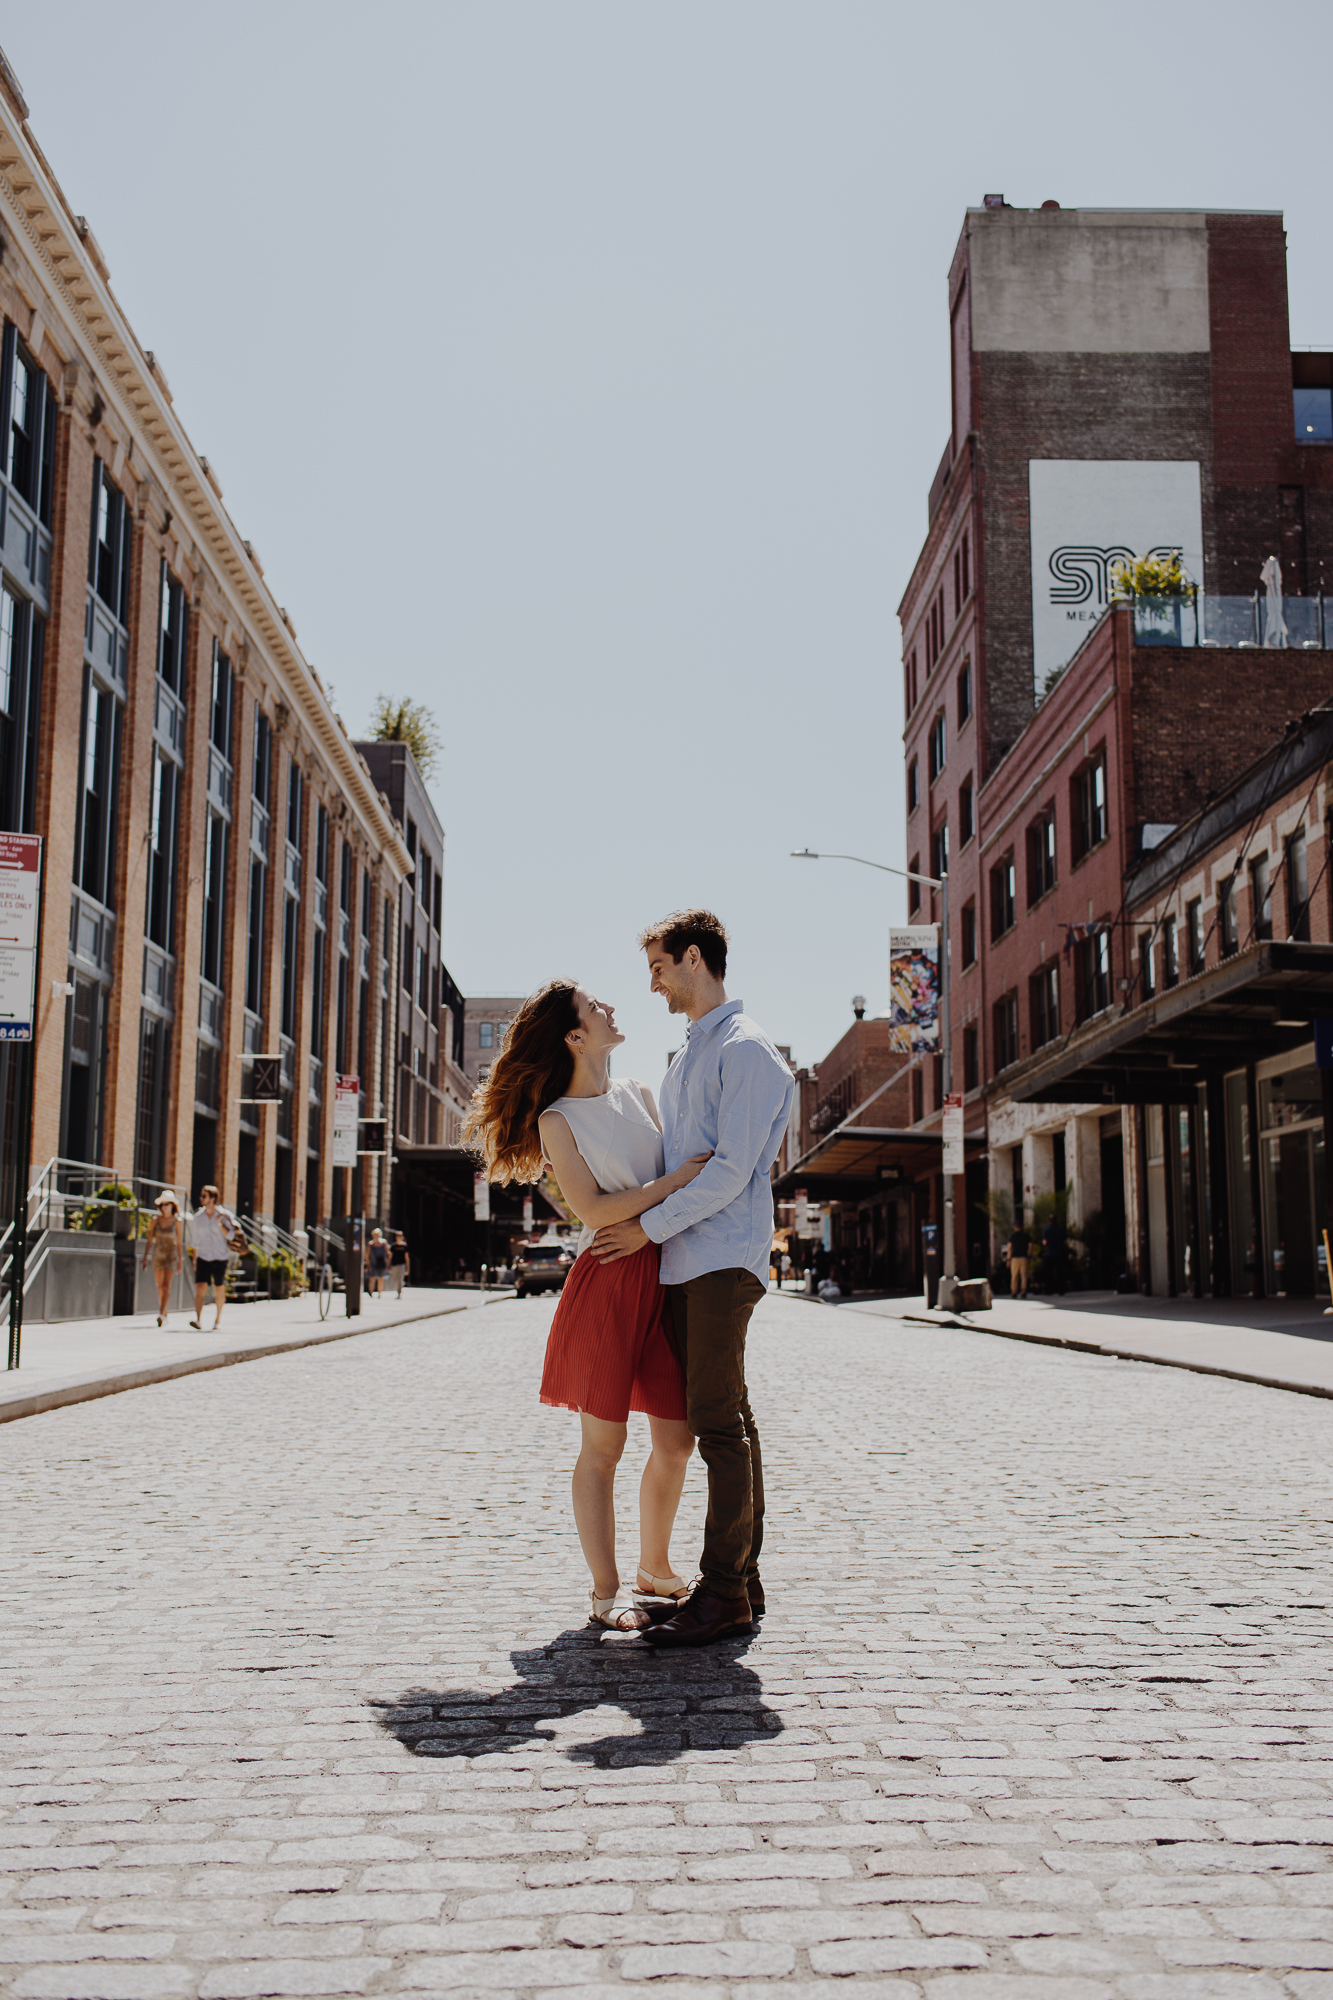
x,y
532,1070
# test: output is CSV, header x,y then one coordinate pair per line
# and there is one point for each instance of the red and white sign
x,y
20,907
346,1115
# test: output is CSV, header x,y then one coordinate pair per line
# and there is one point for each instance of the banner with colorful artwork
x,y
914,989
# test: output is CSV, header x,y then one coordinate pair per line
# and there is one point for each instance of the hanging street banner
x,y
952,1134
20,902
914,989
481,1198
346,1119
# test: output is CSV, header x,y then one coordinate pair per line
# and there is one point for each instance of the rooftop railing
x,y
1303,624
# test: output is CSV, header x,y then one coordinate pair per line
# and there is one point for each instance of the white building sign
x,y
1086,515
20,897
952,1134
346,1116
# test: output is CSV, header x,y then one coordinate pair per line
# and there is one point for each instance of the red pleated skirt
x,y
609,1351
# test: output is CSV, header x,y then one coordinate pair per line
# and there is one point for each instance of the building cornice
x,y
85,323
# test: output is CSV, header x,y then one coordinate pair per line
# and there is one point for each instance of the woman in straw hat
x,y
164,1245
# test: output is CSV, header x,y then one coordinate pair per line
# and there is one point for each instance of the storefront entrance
x,y
1291,1161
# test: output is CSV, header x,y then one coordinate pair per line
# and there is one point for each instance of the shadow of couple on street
x,y
696,1698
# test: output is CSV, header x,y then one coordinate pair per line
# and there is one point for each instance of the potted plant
x,y
1158,586
114,1210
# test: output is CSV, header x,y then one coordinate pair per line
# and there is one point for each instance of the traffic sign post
x,y
21,874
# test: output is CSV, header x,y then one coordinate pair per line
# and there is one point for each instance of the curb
x,y
89,1388
1097,1347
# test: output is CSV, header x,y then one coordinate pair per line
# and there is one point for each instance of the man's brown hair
x,y
686,927
210,1189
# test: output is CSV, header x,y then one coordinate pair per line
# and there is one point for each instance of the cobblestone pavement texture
x,y
299,1700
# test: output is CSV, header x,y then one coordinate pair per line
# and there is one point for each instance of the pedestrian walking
x,y
400,1264
728,1094
213,1235
163,1245
1020,1249
550,1099
377,1263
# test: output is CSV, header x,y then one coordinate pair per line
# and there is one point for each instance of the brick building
x,y
1122,385
1227,952
221,874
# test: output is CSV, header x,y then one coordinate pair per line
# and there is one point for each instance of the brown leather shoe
x,y
754,1590
701,1619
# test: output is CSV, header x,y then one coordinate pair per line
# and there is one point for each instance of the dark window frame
x,y
1003,897
1042,867
1044,1004
1090,811
967,811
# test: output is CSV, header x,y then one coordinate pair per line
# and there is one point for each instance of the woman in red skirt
x,y
549,1101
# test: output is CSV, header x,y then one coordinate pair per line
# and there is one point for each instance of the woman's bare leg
x,y
595,1502
164,1279
660,1491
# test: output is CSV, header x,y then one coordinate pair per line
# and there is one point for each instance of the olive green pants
x,y
708,1321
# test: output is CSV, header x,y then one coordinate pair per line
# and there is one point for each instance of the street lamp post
x,y
947,1261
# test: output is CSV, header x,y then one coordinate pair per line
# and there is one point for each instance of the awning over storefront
x,y
859,1160
1259,1003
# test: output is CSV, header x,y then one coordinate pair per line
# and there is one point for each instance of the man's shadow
x,y
694,1699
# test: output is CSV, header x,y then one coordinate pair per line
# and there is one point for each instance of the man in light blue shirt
x,y
729,1093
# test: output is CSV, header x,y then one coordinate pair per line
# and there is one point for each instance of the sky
x,y
579,368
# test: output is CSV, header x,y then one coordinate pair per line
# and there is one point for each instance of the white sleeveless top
x,y
621,1146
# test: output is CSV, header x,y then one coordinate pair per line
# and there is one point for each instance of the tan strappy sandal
x,y
605,1613
660,1586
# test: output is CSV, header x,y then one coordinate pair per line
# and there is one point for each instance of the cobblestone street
x,y
299,1699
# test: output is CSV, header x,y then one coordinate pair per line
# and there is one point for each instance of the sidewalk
x,y
1278,1343
73,1361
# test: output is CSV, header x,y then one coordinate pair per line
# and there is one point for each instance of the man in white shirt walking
x,y
212,1234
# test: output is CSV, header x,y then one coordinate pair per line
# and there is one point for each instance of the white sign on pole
x,y
20,884
346,1114
952,1133
481,1198
802,1210
1087,514
527,1211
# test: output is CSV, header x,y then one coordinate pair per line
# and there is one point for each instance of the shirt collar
x,y
707,1022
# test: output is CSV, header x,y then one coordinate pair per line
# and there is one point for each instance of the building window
x,y
1094,965
1089,803
1041,856
290,935
22,641
220,704
969,929
1226,897
910,680
254,943
295,805
971,1058
967,567
1261,893
918,1094
486,1035
1298,889
1005,1018
914,886
1314,414
154,1083
109,560
96,838
1002,897
913,787
964,692
263,757
1146,964
31,435
162,828
967,825
215,889
1194,932
173,634
937,748
939,850
1044,1004
1170,952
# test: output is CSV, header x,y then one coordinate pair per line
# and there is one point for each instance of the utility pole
x,y
948,1265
